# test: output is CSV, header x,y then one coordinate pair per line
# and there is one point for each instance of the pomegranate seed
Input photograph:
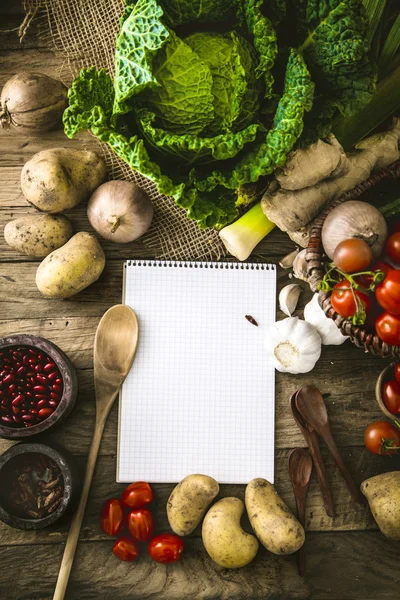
x,y
52,376
42,403
39,388
41,379
18,400
49,367
53,403
45,412
9,377
27,417
58,381
57,388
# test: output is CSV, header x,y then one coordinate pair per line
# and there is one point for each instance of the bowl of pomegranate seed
x,y
38,386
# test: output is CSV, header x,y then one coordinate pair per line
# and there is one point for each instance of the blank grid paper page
x,y
200,395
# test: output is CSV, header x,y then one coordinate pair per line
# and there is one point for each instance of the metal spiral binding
x,y
187,264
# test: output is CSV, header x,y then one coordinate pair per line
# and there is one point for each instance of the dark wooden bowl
x,y
70,389
386,375
358,334
69,471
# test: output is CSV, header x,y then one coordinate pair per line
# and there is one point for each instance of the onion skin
x,y
32,102
354,219
120,211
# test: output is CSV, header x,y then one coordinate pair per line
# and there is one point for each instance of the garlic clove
x,y
327,329
288,298
287,261
300,266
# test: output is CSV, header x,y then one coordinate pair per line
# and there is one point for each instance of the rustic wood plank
x,y
341,566
350,516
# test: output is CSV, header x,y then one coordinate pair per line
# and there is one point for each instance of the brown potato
x,y
38,235
189,501
224,539
273,523
383,495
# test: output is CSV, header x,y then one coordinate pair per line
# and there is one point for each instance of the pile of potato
x,y
223,537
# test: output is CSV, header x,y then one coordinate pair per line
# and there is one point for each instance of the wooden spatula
x,y
114,350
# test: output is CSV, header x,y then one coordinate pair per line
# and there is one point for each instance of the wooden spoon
x,y
311,405
300,466
312,440
114,350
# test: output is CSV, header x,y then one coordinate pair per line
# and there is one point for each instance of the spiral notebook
x,y
200,397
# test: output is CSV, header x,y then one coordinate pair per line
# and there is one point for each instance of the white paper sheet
x,y
200,397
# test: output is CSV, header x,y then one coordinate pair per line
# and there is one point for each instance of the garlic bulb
x,y
330,334
295,345
288,298
120,211
287,261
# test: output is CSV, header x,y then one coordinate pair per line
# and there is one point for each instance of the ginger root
x,y
292,208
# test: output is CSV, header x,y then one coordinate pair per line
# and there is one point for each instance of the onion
x,y
120,211
32,101
354,219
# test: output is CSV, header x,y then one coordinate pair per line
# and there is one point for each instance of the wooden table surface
x,y
347,557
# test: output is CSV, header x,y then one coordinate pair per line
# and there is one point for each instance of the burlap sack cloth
x,y
83,33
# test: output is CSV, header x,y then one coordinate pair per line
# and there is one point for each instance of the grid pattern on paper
x,y
200,395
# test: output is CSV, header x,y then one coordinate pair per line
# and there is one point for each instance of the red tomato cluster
x,y
352,298
131,513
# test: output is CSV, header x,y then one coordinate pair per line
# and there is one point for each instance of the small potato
x,y
38,235
383,495
273,523
58,179
224,539
71,268
189,501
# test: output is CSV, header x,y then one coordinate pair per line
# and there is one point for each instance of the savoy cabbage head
x,y
211,95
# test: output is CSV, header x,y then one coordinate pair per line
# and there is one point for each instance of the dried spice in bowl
x,y
35,486
38,483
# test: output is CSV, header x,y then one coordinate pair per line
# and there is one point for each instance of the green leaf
x,y
178,12
385,102
183,100
374,11
235,89
287,127
264,39
91,99
193,148
142,35
392,44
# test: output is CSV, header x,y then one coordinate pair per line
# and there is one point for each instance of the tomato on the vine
x,y
166,548
140,524
388,328
381,437
392,247
126,549
397,371
112,516
352,255
391,396
388,292
348,302
137,495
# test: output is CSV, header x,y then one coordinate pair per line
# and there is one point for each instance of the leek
x,y
243,235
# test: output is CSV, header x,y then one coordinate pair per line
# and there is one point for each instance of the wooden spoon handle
x,y
315,450
337,457
73,535
301,499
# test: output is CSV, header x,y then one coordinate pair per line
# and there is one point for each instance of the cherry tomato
x,y
126,549
391,396
380,265
343,299
166,548
381,437
140,524
397,371
137,495
112,516
388,328
392,247
352,256
388,292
